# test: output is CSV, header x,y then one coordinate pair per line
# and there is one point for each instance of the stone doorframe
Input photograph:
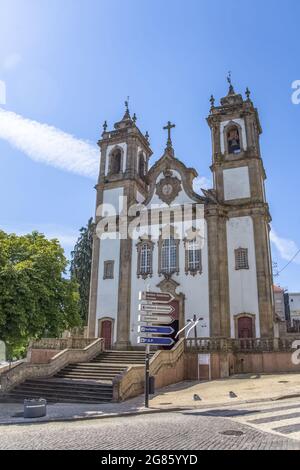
x,y
170,286
112,320
252,316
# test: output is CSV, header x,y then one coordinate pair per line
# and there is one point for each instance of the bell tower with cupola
x,y
125,154
239,188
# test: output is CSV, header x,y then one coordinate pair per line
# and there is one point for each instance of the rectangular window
x,y
146,259
193,257
169,256
241,259
108,270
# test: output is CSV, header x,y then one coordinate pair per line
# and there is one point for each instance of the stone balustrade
x,y
61,343
166,366
26,370
207,345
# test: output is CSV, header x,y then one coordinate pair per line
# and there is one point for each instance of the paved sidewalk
x,y
249,388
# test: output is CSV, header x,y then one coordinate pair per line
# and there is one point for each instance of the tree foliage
x,y
81,266
36,299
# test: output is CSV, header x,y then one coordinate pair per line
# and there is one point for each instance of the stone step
x,y
47,391
101,388
19,398
68,383
108,368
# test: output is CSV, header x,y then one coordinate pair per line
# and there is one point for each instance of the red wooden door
x,y
245,329
106,333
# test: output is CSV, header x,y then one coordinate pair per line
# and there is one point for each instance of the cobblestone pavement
x,y
185,430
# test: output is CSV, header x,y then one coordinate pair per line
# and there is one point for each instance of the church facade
x,y
219,270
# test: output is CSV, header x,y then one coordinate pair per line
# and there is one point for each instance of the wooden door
x,y
245,329
106,333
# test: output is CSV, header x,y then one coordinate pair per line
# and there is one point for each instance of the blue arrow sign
x,y
156,341
161,330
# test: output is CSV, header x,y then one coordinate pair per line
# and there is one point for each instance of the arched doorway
x,y
106,332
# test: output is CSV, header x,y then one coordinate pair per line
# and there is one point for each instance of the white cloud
x,y
46,144
286,248
11,61
201,182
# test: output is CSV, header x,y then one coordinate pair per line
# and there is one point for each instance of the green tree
x,y
36,299
81,264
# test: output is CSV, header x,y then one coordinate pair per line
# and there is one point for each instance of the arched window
x,y
115,162
142,165
169,256
233,140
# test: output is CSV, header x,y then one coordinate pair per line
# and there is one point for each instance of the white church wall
x,y
107,298
243,291
114,197
241,123
236,183
195,289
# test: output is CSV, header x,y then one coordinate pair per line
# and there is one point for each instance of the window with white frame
x,y
169,256
144,263
193,262
241,259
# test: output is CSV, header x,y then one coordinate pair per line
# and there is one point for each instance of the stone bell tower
x,y
239,187
125,154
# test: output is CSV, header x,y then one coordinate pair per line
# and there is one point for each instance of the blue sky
x,y
72,64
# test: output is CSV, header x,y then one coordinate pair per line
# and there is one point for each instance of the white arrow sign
x,y
156,308
163,319
157,297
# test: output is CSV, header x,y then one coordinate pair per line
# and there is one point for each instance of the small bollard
x,y
35,408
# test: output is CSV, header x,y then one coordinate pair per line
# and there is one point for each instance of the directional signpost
x,y
162,319
159,330
155,310
156,341
161,297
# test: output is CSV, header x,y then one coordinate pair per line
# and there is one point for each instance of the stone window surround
x,y
241,256
141,154
188,270
139,246
236,323
101,320
110,155
108,270
229,125
160,245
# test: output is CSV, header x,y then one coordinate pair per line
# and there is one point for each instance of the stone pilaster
x,y
94,288
218,274
264,274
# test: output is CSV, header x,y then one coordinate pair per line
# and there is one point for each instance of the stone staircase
x,y
89,382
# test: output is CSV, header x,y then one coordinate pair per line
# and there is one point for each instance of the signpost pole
x,y
147,375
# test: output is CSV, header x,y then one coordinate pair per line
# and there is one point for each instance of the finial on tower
x,y
147,136
134,118
229,80
127,113
104,126
248,93
212,101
